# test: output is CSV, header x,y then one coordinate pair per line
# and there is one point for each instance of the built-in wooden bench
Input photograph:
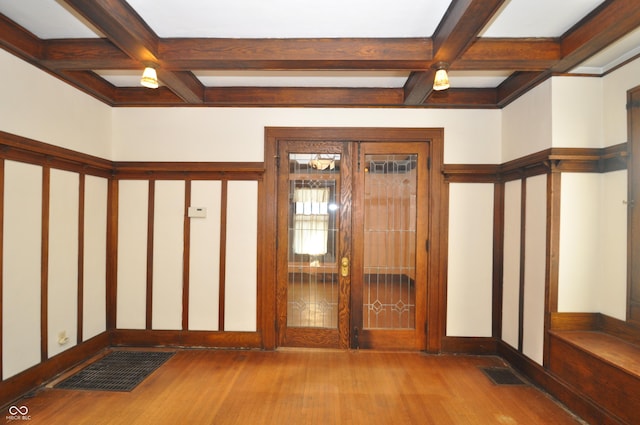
x,y
599,357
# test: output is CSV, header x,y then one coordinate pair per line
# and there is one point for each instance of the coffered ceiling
x,y
364,53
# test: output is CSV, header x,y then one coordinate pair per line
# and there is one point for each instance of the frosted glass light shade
x,y
149,78
441,80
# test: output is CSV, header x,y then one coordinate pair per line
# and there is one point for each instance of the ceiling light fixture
x,y
149,78
441,80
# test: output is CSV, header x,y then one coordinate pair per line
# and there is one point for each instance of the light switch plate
x,y
197,212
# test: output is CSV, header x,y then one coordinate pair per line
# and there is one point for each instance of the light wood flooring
x,y
301,386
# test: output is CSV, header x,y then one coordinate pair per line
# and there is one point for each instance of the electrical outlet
x,y
63,338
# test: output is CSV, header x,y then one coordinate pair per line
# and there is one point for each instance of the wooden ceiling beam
x,y
85,54
19,41
296,53
124,28
510,54
457,31
463,98
606,24
302,96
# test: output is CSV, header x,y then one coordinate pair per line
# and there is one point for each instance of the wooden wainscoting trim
x,y
22,149
24,382
175,338
575,321
575,160
470,345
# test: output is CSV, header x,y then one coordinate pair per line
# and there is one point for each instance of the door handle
x,y
344,267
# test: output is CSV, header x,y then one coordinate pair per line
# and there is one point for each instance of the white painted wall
x,y
21,283
576,108
63,260
241,272
470,259
204,257
593,244
534,267
133,206
168,251
526,124
38,106
580,217
237,134
611,292
95,257
511,263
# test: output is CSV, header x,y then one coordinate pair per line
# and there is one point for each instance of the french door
x,y
351,251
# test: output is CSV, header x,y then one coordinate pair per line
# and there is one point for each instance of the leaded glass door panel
x,y
352,222
389,228
313,292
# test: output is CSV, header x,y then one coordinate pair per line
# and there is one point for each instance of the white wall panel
x,y
511,264
579,258
22,246
168,242
95,256
469,280
204,259
133,203
611,290
63,260
534,267
241,256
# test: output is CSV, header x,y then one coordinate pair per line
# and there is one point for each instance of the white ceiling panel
x,y
538,18
292,18
386,79
47,19
477,79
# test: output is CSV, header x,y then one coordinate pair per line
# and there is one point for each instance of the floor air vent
x,y
502,376
117,371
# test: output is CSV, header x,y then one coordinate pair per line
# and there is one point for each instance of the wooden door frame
x,y
436,257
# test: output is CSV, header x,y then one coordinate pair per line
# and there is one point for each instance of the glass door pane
x,y
313,223
389,208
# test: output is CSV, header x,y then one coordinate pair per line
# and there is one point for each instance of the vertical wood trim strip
x,y
223,253
112,255
1,263
438,243
498,258
44,260
150,222
81,203
268,247
186,254
554,187
523,222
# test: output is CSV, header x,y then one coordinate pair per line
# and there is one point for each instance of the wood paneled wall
x,y
63,215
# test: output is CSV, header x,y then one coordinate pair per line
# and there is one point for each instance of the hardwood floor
x,y
306,387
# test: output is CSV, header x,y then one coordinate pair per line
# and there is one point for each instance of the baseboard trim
x,y
469,345
24,382
191,339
